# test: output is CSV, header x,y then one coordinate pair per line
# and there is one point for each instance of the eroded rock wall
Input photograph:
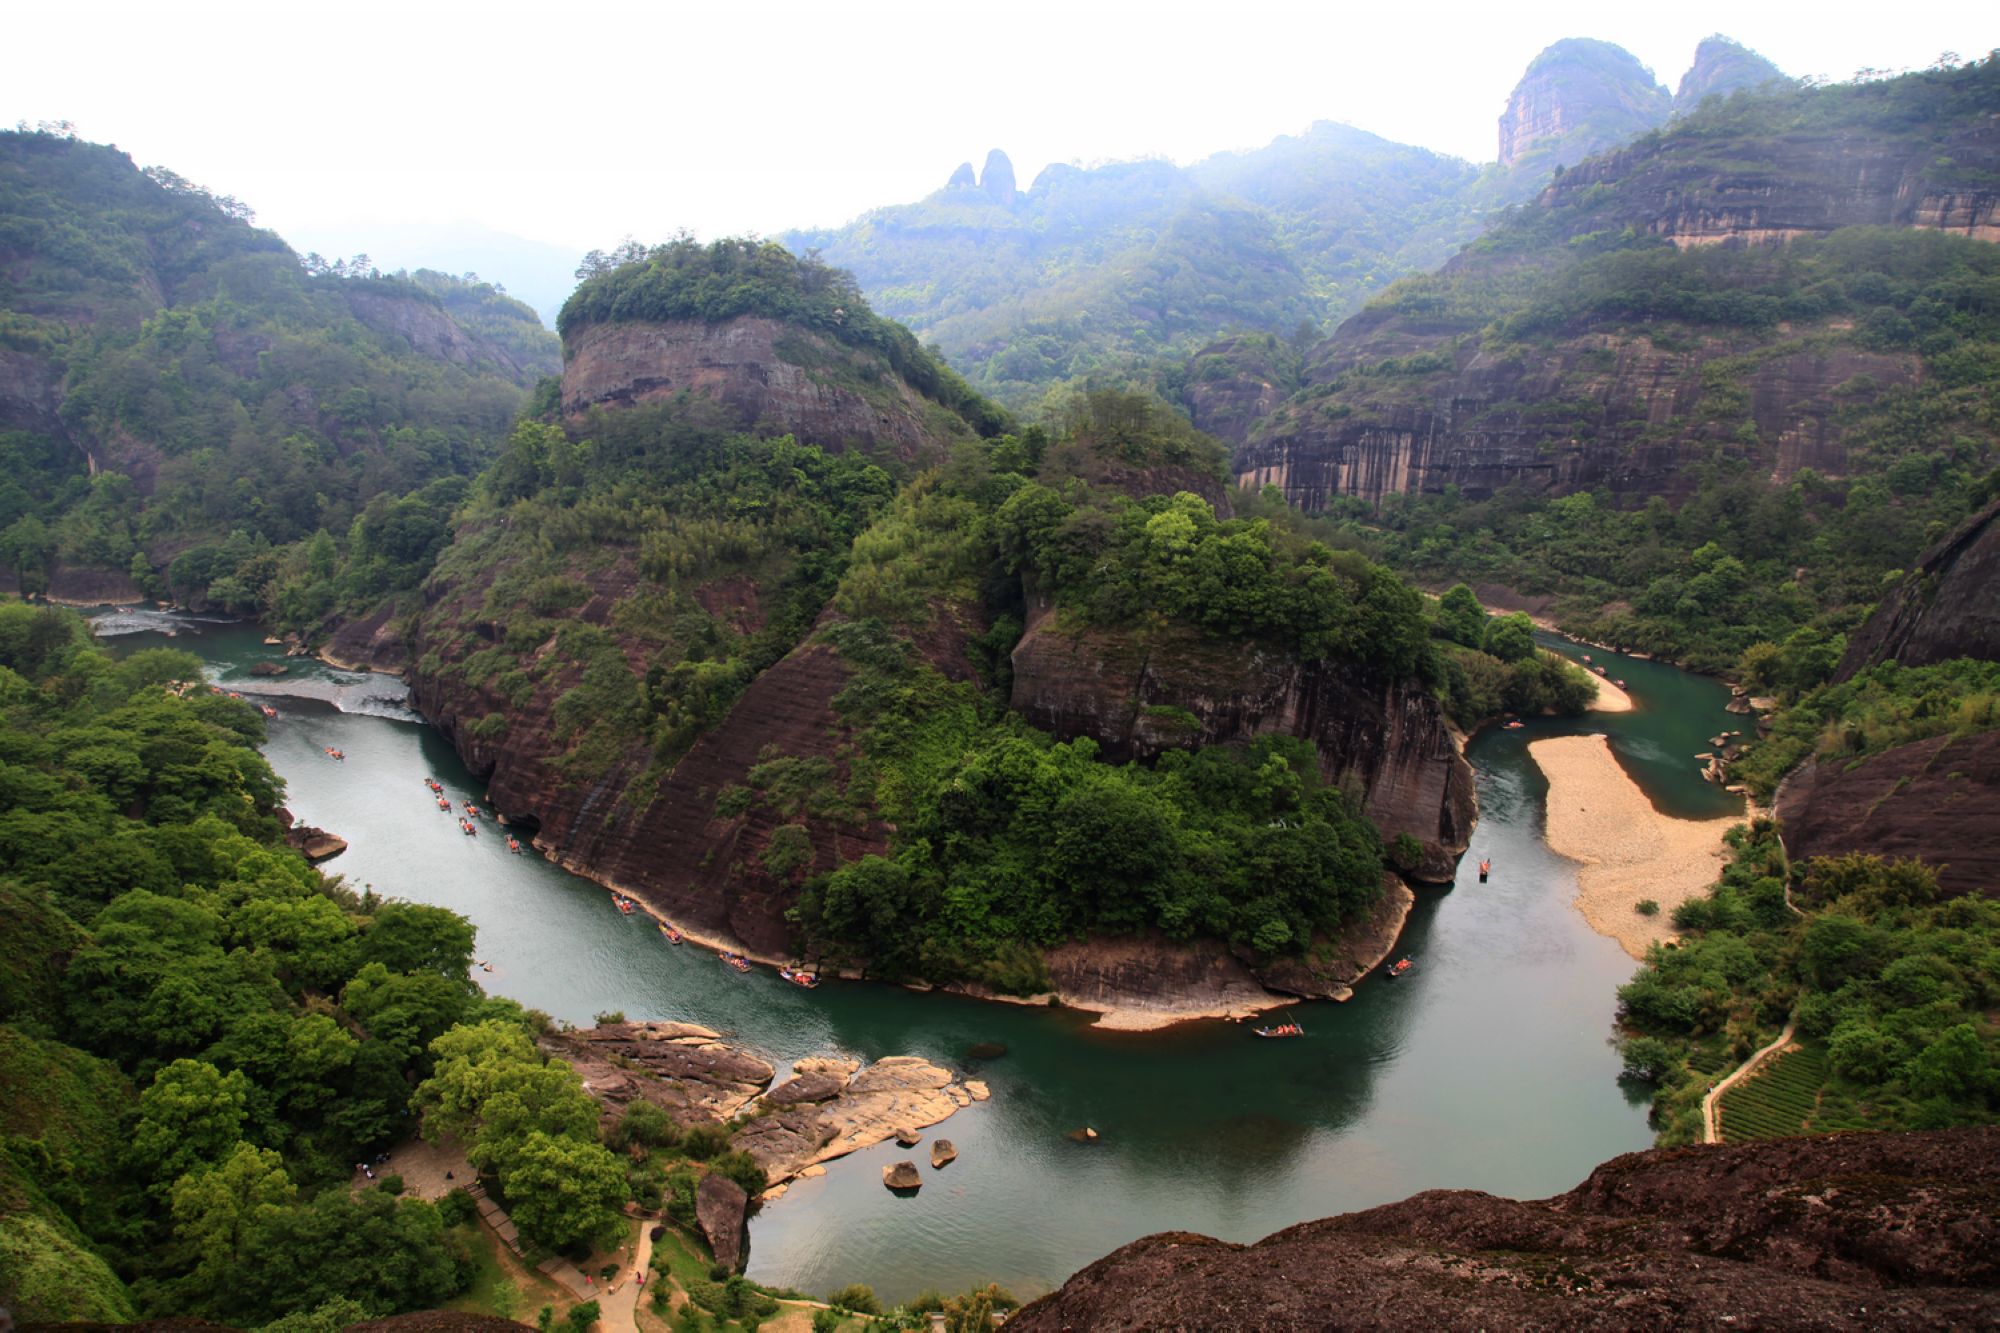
x,y
769,377
1138,695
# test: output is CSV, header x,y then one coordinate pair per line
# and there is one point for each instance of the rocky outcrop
x,y
30,393
378,641
1598,410
943,1154
766,376
1722,67
1138,695
722,1209
902,1177
1937,800
431,332
315,844
1235,383
891,1098
998,178
1878,1229
962,179
1578,97
1946,607
684,1068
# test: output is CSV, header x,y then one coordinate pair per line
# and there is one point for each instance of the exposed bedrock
x,y
1138,695
1854,1230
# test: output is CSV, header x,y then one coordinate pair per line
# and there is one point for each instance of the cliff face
x,y
1946,607
1803,184
1937,800
1578,97
1794,1233
1137,696
1599,409
771,377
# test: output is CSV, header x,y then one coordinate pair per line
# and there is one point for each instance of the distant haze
x,y
390,129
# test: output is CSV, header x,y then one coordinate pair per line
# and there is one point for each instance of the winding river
x,y
1489,1067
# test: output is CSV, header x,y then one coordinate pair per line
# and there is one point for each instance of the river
x,y
1490,1067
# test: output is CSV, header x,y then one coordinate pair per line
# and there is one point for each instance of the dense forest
x,y
195,405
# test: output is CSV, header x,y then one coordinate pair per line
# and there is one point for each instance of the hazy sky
x,y
579,123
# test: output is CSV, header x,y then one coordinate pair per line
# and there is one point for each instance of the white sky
x,y
579,123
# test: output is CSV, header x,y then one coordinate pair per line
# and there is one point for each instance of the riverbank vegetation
x,y
1891,985
201,1034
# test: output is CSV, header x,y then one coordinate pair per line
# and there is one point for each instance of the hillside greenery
x,y
236,401
200,1034
1892,988
1740,561
685,280
1119,272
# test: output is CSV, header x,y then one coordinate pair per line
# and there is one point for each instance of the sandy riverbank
x,y
1610,698
1598,816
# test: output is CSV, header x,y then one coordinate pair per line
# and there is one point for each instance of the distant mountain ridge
x,y
1106,269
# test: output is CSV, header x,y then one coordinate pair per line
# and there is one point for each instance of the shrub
x,y
1646,907
857,1297
390,1184
703,1142
610,1016
458,1208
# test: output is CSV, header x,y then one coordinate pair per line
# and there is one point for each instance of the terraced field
x,y
1778,1100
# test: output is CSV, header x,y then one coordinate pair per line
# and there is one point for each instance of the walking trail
x,y
618,1309
1711,1115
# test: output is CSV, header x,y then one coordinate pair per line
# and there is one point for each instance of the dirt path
x,y
1711,1116
619,1307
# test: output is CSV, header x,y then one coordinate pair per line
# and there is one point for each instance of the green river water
x,y
1490,1067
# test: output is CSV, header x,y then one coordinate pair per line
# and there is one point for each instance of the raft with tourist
x,y
799,977
1397,968
1280,1030
673,936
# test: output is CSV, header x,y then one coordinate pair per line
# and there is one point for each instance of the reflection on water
x,y
1489,1067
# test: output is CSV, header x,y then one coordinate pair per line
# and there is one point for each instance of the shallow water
x,y
1489,1067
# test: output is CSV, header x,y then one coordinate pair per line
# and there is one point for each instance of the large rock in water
x,y
902,1176
721,1207
1793,1233
1134,694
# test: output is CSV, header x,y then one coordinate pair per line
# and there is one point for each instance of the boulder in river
x,y
907,1137
269,669
1084,1135
985,1050
943,1154
902,1177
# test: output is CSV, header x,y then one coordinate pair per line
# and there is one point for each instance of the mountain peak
x,y
998,177
1722,66
1579,97
962,179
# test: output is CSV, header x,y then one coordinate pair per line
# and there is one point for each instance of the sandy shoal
x,y
1628,851
1610,698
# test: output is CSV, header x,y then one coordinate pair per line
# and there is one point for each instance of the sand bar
x,y
1610,698
1628,851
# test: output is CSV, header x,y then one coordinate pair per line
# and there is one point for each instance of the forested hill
x,y
1102,270
1712,388
181,395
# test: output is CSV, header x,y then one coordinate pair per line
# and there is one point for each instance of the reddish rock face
x,y
1134,696
1794,1233
772,378
1946,607
1631,419
1579,97
1937,800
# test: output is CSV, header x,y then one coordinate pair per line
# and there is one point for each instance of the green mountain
x,y
180,394
1127,269
1629,395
